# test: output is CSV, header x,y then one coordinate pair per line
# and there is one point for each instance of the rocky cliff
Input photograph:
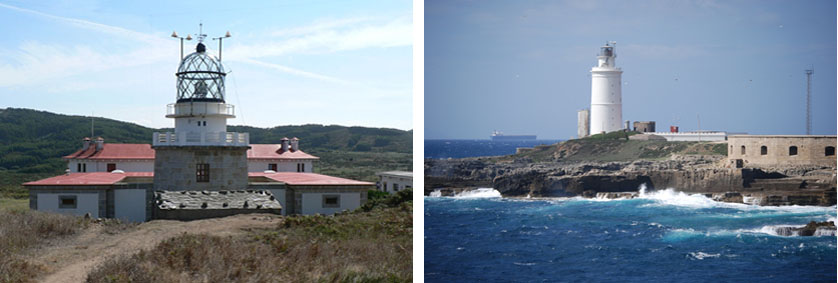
x,y
619,166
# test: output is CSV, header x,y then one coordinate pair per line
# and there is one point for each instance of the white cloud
x,y
351,34
112,30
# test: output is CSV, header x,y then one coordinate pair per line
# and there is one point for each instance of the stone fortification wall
x,y
770,151
644,126
175,168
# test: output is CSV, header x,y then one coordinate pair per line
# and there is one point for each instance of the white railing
x,y
198,139
200,108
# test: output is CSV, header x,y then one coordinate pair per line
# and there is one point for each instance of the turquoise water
x,y
663,236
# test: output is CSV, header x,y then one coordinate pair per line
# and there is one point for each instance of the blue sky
x,y
523,66
292,62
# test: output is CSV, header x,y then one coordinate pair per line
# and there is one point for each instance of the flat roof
x,y
781,136
313,179
407,174
106,178
88,179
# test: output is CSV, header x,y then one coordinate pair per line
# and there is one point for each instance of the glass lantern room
x,y
200,77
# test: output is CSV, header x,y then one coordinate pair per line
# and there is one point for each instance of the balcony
x,y
201,139
185,109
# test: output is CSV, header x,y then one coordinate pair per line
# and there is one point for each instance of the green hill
x,y
32,143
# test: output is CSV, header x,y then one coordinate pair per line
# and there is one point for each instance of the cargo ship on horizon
x,y
499,136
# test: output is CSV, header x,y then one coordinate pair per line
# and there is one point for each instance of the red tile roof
x,y
271,151
105,178
294,178
115,151
133,151
90,179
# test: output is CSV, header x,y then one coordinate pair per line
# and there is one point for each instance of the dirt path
x,y
70,259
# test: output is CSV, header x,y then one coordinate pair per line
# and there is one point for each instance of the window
x,y
205,123
84,167
298,167
331,201
743,150
763,150
202,172
829,151
111,167
78,167
66,201
303,167
792,150
272,167
395,187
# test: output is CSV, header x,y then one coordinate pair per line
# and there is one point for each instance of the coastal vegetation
x,y
616,147
371,244
32,143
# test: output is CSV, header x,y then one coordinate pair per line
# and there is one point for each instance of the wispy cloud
x,y
322,38
112,30
293,71
336,36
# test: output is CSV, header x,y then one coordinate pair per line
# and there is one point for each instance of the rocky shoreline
x,y
516,176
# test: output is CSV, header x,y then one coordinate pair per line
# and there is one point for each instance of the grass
x,y
22,229
14,204
359,246
612,147
10,183
361,165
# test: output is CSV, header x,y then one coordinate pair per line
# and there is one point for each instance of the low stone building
x,y
130,196
394,181
776,150
644,126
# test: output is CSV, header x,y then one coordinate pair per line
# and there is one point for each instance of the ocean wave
x,y
782,230
702,255
479,193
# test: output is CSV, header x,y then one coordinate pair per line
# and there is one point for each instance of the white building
x,y
606,93
691,136
394,181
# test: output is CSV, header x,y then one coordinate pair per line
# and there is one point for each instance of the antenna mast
x,y
809,73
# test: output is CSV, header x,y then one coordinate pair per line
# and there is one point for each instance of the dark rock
x,y
813,226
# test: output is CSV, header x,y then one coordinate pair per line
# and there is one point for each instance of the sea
x,y
661,236
443,149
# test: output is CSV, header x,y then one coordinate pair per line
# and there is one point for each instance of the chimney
x,y
100,143
295,144
284,146
85,144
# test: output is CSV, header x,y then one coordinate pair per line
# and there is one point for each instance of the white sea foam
x,y
671,197
479,193
782,230
436,193
675,198
702,255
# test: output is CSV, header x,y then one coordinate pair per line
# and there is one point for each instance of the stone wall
x,y
175,167
645,127
810,150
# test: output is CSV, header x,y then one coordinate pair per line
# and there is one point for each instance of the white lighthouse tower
x,y
606,95
200,154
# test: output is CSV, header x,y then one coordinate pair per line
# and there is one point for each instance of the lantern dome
x,y
200,77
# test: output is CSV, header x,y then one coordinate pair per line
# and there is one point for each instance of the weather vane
x,y
200,36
